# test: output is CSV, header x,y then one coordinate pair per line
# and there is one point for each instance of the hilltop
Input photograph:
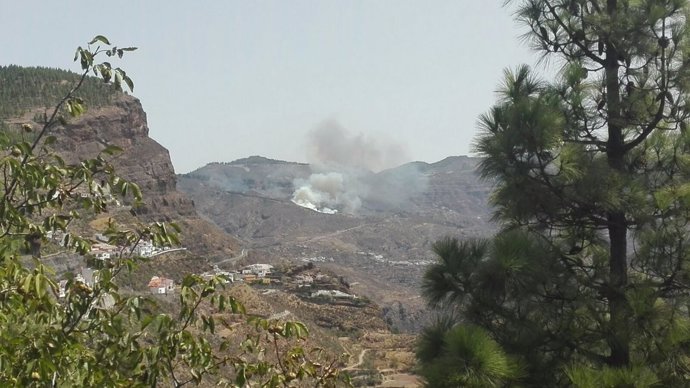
x,y
38,88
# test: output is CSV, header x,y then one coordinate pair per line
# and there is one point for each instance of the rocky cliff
x,y
143,161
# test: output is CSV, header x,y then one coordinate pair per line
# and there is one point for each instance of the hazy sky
x,y
221,80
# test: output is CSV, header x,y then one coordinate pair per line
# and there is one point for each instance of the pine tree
x,y
587,281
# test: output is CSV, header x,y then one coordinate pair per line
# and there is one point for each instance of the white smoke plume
x,y
331,145
327,193
343,164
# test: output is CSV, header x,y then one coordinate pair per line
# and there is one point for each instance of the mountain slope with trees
x,y
28,88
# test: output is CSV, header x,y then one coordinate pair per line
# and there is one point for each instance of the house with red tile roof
x,y
161,285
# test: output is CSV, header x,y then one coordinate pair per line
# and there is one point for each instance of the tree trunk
x,y
619,338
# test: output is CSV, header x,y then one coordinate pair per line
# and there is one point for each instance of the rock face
x,y
144,162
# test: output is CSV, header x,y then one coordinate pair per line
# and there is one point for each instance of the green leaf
x,y
77,53
86,58
40,284
129,83
236,307
99,38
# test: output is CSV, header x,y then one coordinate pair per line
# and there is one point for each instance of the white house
x,y
144,249
103,251
229,276
333,294
260,270
62,288
161,285
304,279
87,276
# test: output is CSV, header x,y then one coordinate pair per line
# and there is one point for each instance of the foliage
x,y
95,335
463,356
23,88
586,283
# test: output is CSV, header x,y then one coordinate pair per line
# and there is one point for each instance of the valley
x,y
382,246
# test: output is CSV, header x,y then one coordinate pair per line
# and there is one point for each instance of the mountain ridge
x,y
383,245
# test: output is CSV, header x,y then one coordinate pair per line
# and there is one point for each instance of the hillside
x,y
376,229
38,88
119,119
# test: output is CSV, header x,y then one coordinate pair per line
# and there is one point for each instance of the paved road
x,y
168,251
232,259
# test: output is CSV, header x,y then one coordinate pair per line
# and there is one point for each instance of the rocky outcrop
x,y
145,162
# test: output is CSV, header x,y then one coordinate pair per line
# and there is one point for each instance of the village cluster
x,y
254,273
305,280
381,260
261,274
101,250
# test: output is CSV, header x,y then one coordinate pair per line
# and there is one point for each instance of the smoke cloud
x,y
328,193
330,144
344,165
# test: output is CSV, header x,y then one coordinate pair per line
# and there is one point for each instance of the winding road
x,y
231,259
360,360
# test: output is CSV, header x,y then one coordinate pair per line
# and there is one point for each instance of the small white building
x,y
260,270
87,276
62,288
144,248
161,285
103,251
332,294
304,279
229,277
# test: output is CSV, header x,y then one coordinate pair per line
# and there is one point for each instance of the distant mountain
x,y
449,188
255,174
257,160
383,225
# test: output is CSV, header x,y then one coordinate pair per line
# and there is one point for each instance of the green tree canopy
x,y
587,281
24,88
